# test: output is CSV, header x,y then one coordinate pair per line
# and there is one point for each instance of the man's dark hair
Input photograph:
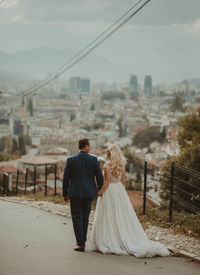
x,y
83,142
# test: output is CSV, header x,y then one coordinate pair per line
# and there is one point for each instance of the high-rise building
x,y
85,85
74,84
79,85
133,85
148,85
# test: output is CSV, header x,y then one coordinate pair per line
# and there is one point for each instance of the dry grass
x,y
38,197
182,223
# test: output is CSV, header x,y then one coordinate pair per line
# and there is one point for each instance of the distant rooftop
x,y
39,160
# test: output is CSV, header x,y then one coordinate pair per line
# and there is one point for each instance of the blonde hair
x,y
117,159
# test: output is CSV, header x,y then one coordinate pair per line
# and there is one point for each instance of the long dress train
x,y
116,228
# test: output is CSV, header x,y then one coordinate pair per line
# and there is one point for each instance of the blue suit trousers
x,y
80,211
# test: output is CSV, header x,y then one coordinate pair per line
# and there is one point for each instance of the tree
x,y
186,186
132,166
143,138
163,135
72,117
27,140
4,156
14,145
8,148
2,143
189,131
11,149
119,124
112,95
30,106
63,96
15,155
163,93
177,104
8,145
21,145
131,159
92,107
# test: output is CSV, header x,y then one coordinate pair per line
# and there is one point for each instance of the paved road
x,y
35,242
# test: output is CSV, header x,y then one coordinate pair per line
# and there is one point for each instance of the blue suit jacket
x,y
79,176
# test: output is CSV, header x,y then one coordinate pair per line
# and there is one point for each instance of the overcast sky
x,y
162,40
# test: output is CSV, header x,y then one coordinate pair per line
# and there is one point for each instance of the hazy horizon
x,y
162,40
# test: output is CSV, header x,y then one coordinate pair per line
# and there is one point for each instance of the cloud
x,y
157,12
163,37
84,28
195,27
16,18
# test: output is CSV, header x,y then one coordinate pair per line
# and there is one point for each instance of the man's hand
x,y
66,199
99,193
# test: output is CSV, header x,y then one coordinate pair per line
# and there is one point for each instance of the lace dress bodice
x,y
113,179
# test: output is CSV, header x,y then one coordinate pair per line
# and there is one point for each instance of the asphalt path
x,y
35,242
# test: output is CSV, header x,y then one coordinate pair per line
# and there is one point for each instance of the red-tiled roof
x,y
8,169
153,161
39,160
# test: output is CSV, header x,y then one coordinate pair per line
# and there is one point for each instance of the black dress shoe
x,y
80,248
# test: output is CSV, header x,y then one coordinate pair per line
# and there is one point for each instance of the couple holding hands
x,y
116,228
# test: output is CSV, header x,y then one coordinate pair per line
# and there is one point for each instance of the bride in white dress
x,y
116,228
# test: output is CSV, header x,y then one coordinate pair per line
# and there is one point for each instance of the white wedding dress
x,y
116,228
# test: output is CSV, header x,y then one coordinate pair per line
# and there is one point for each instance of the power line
x,y
181,202
183,205
165,205
187,205
183,181
179,180
63,69
187,170
91,49
176,187
99,36
38,85
149,165
86,47
165,174
138,169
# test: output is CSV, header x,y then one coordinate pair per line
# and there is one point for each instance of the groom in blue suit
x,y
80,187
